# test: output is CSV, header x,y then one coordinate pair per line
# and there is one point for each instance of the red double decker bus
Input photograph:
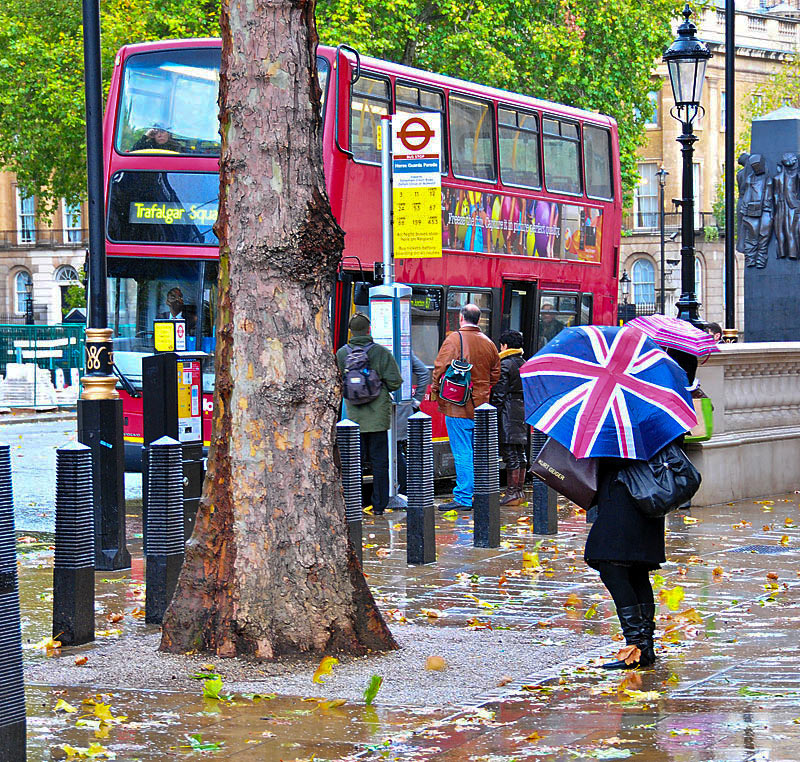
x,y
531,206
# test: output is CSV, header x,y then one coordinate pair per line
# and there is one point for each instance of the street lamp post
x,y
100,408
625,282
662,181
29,319
686,60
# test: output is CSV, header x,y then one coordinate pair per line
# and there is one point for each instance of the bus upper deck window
x,y
597,161
472,138
410,99
519,148
369,101
168,103
562,161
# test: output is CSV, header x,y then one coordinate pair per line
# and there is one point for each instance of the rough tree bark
x,y
269,569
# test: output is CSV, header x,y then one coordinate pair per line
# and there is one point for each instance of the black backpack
x,y
360,383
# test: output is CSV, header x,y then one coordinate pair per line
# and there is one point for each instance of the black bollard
x,y
12,685
544,501
165,526
486,498
420,526
100,427
73,567
348,440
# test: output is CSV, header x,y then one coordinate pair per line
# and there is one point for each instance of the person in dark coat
x,y
512,430
625,546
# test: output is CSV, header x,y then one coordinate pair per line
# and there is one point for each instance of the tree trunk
x,y
269,569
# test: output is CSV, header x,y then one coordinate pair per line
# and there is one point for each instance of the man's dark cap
x,y
359,324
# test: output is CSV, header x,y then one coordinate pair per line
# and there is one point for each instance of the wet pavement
x,y
725,686
33,457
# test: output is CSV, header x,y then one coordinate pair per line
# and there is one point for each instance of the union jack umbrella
x,y
607,392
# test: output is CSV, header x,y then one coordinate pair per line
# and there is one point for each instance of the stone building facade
x,y
766,35
49,255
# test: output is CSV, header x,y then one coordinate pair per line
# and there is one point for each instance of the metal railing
x,y
43,237
648,222
37,362
626,312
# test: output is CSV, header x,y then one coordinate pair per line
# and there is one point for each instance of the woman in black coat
x,y
625,546
512,431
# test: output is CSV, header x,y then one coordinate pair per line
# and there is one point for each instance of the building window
x,y
654,96
644,282
67,274
21,281
72,222
645,197
26,218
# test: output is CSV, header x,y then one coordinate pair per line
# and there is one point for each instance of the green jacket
x,y
375,415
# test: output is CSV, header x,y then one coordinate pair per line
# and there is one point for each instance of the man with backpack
x,y
369,372
465,347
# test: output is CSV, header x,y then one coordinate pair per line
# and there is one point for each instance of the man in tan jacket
x,y
482,353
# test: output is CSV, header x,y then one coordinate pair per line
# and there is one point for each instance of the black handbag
x,y
661,484
574,478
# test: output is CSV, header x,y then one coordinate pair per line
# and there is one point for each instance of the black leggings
x,y
628,585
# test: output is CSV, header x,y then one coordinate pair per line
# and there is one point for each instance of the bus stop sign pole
x,y
100,408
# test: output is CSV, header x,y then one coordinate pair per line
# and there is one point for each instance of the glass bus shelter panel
x,y
168,103
457,298
163,207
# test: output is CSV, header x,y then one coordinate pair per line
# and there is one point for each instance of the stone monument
x,y
768,227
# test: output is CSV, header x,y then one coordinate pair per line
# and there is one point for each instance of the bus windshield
x,y
168,103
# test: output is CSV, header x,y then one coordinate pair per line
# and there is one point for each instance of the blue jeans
x,y
460,431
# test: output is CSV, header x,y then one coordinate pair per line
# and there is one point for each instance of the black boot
x,y
634,630
648,611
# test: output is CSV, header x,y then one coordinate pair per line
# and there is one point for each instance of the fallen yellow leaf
x,y
629,654
81,660
431,613
325,668
435,664
63,706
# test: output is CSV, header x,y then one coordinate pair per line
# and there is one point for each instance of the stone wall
x,y
755,449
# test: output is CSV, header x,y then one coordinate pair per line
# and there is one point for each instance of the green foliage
x,y
781,89
711,233
75,297
597,56
41,81
372,689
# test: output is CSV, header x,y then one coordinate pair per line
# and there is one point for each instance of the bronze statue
x,y
741,179
757,208
787,203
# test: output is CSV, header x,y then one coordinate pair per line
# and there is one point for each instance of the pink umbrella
x,y
678,334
